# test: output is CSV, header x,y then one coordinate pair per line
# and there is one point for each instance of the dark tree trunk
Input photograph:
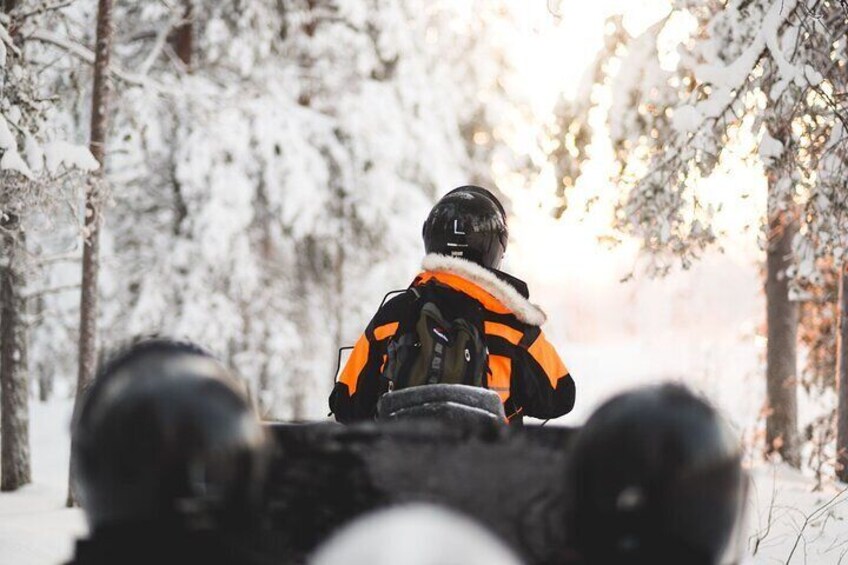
x,y
781,363
15,470
183,39
45,386
90,256
183,43
263,219
44,375
842,378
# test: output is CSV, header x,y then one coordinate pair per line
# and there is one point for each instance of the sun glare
x,y
559,43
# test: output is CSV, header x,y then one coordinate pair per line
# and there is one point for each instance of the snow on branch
x,y
6,42
87,55
43,9
59,153
734,75
12,161
669,128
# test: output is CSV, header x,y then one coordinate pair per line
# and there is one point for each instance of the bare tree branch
x,y
812,516
43,9
53,290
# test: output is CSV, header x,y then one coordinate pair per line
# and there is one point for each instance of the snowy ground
x,y
35,526
36,529
788,523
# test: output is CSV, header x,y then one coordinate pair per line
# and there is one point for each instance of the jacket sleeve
x,y
360,385
544,387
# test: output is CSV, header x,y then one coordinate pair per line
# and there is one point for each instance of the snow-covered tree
x,y
777,67
36,167
265,202
270,165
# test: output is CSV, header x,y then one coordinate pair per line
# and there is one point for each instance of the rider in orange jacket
x,y
465,238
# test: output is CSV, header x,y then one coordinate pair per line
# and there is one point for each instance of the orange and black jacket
x,y
524,368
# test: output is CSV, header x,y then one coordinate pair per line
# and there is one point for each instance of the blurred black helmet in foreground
x,y
655,477
164,436
470,223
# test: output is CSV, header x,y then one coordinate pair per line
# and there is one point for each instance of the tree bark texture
x,y
842,378
15,468
183,44
183,39
90,256
781,356
42,372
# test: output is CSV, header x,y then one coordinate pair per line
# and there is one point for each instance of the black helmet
x,y
468,222
655,477
164,436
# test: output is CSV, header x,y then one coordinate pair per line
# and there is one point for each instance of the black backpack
x,y
441,342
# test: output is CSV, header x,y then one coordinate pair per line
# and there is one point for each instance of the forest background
x,y
253,175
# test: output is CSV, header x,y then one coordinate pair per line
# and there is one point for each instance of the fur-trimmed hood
x,y
523,309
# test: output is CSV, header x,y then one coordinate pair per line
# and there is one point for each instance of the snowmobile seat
x,y
451,403
510,479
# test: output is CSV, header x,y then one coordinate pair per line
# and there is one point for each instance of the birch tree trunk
x,y
90,256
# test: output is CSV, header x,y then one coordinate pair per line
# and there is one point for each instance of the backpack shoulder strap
x,y
392,293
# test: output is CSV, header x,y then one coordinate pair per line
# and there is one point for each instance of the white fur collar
x,y
488,281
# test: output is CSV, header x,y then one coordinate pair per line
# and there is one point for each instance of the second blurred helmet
x,y
165,437
655,477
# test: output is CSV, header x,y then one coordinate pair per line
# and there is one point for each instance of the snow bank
x,y
36,529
